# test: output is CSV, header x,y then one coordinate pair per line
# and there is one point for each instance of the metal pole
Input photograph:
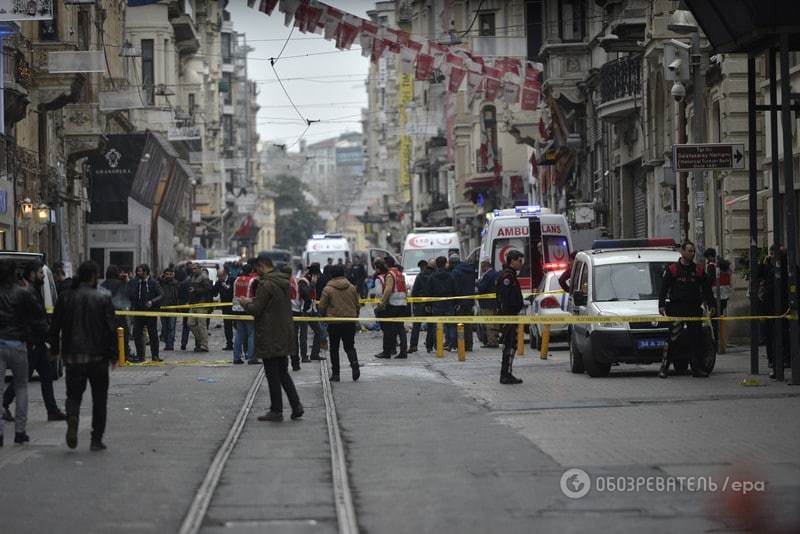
x,y
699,136
777,337
753,197
791,213
683,182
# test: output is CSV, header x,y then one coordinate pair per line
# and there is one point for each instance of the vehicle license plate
x,y
645,344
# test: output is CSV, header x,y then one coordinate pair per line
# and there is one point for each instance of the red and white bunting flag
x,y
543,133
508,65
424,69
288,8
378,47
392,38
534,166
531,89
474,84
510,92
456,75
491,84
347,31
314,11
267,6
367,38
331,20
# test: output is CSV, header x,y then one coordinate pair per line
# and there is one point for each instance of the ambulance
x,y
510,229
323,247
427,243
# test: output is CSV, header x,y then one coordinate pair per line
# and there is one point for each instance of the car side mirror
x,y
579,298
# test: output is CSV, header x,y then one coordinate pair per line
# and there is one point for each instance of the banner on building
x,y
18,11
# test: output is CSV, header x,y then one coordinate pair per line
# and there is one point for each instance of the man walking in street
x,y
83,331
509,302
272,310
145,295
224,289
22,319
169,297
686,286
486,284
340,299
38,355
199,292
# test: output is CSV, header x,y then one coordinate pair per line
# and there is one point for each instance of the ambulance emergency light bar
x,y
634,243
519,210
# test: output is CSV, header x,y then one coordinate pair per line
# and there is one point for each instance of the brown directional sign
x,y
707,157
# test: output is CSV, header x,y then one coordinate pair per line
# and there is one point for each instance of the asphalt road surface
x,y
420,445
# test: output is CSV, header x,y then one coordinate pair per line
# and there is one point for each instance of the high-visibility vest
x,y
294,295
244,286
398,296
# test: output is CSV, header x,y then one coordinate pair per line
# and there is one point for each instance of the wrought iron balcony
x,y
620,78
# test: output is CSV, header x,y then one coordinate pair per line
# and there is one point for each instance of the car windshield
x,y
628,281
552,282
412,257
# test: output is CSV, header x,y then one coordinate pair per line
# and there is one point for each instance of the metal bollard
x,y
545,342
439,340
520,340
120,346
723,338
461,343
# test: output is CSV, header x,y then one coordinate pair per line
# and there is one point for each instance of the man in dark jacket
x,y
272,310
224,289
509,302
169,297
184,284
419,289
486,284
441,284
22,319
145,295
38,355
686,286
307,293
774,329
83,331
464,277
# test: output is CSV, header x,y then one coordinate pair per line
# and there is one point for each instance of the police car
x,y
623,278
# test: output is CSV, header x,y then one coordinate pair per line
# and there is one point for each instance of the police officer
x,y
686,286
509,302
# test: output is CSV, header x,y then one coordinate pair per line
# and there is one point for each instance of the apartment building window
x,y
227,130
192,104
489,154
227,85
148,72
571,20
486,26
84,30
227,51
533,28
48,29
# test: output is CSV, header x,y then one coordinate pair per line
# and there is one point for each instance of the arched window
x,y
488,152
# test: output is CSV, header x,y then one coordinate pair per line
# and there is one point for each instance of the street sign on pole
x,y
707,157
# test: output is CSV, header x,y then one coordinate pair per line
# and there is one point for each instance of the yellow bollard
x,y
723,338
521,340
545,342
120,346
439,340
460,339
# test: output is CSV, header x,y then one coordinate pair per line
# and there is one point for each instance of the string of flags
x,y
507,79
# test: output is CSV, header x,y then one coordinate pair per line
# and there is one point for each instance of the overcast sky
x,y
332,84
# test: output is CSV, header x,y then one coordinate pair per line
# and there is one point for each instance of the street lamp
x,y
27,207
43,213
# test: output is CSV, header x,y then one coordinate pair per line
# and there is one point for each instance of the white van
x,y
509,229
427,243
323,247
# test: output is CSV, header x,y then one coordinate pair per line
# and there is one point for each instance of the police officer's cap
x,y
514,255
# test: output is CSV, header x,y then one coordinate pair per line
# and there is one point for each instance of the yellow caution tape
x,y
478,319
750,382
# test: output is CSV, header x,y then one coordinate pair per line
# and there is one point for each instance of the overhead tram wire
x,y
272,62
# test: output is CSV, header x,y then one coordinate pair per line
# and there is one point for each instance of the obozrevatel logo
x,y
113,157
575,483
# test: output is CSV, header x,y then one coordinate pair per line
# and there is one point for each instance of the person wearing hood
x,y
340,299
272,311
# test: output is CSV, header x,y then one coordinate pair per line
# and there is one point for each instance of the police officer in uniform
x,y
509,302
686,286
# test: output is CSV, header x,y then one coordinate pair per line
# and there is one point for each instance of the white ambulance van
x,y
427,243
323,247
509,229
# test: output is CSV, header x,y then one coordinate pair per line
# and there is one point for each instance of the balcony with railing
x,y
620,87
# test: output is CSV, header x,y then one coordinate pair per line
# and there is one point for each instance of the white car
x,y
623,278
550,302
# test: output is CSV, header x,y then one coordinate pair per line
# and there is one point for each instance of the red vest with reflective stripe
x,y
245,286
399,280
